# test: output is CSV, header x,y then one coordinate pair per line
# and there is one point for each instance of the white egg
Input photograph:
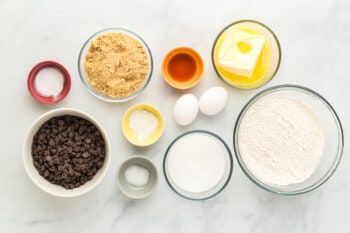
x,y
213,101
185,109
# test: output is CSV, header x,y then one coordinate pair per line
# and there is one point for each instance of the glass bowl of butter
x,y
246,54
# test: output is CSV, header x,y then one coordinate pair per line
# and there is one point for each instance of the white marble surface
x,y
315,40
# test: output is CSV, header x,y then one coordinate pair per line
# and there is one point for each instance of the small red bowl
x,y
48,99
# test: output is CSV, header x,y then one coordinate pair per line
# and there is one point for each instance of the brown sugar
x,y
116,64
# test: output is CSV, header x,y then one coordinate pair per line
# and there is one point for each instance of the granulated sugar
x,y
196,162
281,140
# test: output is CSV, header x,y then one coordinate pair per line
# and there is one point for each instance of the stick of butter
x,y
240,51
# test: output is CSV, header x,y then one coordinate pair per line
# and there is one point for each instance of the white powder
x,y
281,140
143,123
196,162
49,82
137,176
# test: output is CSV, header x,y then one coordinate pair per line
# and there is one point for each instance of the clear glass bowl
x,y
271,51
334,139
219,186
83,76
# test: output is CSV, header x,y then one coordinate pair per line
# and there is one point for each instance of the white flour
x,y
143,123
281,140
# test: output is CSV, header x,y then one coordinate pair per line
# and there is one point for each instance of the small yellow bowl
x,y
129,133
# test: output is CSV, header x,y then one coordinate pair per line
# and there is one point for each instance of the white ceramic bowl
x,y
40,181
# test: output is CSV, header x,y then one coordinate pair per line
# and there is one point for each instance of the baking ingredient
x,y
240,51
49,82
117,64
68,151
182,67
281,140
143,123
196,162
185,109
265,63
137,176
213,101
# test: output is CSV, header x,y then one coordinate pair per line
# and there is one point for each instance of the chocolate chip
x,y
87,140
68,151
46,173
51,142
76,148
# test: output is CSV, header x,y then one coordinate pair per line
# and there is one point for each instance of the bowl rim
x,y
129,33
254,22
26,155
305,90
230,159
154,170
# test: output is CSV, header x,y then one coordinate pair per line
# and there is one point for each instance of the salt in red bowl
x,y
48,99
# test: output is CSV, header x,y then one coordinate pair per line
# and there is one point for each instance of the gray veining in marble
x,y
315,40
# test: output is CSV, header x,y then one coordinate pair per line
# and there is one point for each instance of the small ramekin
x,y
130,134
139,192
48,99
176,68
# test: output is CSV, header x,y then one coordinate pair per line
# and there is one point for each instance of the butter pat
x,y
240,52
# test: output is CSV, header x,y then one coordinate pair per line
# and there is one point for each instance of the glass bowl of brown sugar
x,y
115,64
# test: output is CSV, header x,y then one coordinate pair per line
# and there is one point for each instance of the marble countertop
x,y
315,41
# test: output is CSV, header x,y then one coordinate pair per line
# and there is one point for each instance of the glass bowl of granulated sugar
x,y
198,165
288,140
115,64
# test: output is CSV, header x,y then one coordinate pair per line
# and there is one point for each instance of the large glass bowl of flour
x,y
288,140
